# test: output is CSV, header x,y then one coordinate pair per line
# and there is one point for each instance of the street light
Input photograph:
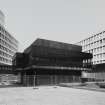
x,y
34,80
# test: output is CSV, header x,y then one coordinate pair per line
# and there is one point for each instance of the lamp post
x,y
34,79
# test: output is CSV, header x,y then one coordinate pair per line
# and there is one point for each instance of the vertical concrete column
x,y
74,78
51,79
24,79
28,80
55,79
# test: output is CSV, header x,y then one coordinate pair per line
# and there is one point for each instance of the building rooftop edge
x,y
90,37
38,39
10,34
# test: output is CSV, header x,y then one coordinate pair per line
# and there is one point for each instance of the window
x,y
100,41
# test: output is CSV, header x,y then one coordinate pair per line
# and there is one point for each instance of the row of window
x,y
99,56
95,50
7,34
6,50
7,40
94,44
5,54
93,38
5,68
7,45
5,60
99,61
87,61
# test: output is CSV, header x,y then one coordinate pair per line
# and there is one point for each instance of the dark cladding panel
x,y
50,62
20,60
28,50
99,67
58,45
54,44
51,53
41,51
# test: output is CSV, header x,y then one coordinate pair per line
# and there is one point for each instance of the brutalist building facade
x,y
95,45
8,44
8,47
47,62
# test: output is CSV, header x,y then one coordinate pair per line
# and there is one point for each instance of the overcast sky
x,y
62,20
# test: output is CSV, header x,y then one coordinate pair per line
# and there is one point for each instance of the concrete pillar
x,y
51,79
24,79
73,78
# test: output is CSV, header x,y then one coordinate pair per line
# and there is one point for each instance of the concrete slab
x,y
50,95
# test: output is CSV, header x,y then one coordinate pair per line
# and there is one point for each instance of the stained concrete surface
x,y
50,95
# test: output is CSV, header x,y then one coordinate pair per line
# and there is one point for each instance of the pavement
x,y
50,95
87,86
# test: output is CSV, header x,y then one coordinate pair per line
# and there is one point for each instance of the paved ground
x,y
50,96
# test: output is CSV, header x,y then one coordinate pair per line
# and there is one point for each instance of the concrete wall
x,y
31,80
95,76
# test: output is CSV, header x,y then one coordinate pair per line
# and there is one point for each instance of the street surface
x,y
50,95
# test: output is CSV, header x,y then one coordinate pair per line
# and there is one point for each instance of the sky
x,y
66,21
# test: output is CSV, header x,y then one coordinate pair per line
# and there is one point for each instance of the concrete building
x,y
96,74
8,47
47,62
95,45
8,44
